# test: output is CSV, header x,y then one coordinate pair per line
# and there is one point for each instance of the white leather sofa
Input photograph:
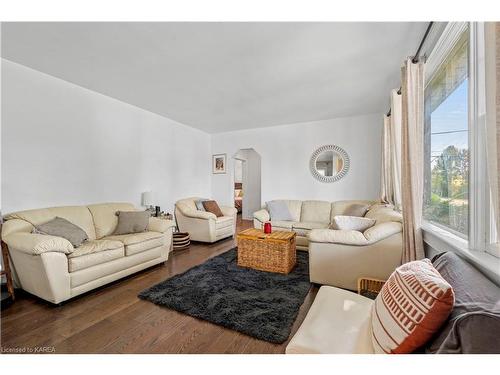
x,y
338,322
340,257
204,226
52,269
307,215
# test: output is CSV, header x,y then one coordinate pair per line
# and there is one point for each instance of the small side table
x,y
6,269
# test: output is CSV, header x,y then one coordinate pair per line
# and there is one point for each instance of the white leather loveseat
x,y
307,215
51,268
340,257
204,226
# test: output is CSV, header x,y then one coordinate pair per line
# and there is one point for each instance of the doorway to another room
x,y
247,182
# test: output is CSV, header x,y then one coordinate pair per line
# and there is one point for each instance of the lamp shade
x,y
147,198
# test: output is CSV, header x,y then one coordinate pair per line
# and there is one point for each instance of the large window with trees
x,y
446,173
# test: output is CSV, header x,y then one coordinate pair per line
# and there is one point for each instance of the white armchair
x,y
340,257
204,226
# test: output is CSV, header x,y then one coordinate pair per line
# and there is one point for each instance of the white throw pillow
x,y
352,223
279,211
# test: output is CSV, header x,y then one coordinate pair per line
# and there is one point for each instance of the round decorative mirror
x,y
329,163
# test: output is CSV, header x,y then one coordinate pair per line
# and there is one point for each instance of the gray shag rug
x,y
260,304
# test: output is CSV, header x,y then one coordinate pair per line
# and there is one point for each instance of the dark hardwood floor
x,y
112,319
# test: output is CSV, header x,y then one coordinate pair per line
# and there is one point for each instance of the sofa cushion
x,y
303,228
105,219
132,222
316,211
94,252
357,209
137,242
411,307
360,224
476,309
384,213
60,227
78,215
338,322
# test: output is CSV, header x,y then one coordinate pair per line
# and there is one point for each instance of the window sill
x,y
442,240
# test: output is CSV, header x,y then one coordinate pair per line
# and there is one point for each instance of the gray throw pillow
x,y
63,228
357,209
279,211
199,204
132,222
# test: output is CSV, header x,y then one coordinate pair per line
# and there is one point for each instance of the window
x,y
446,172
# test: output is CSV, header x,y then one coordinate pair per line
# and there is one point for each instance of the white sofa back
x,y
319,211
97,220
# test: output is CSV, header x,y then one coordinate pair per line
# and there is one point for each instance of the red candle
x,y
267,228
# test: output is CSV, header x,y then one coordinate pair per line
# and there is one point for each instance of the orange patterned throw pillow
x,y
410,308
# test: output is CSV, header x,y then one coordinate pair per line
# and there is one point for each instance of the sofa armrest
x,y
36,244
228,211
196,214
347,237
382,231
160,225
261,215
352,237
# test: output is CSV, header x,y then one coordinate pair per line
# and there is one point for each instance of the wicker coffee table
x,y
274,252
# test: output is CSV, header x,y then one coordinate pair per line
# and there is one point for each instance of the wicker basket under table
x,y
369,287
274,252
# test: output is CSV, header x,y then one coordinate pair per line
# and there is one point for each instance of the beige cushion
x,y
315,211
137,242
384,213
357,209
132,222
303,228
352,223
78,215
94,252
105,218
338,322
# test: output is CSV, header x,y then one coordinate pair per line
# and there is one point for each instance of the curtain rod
x,y
416,57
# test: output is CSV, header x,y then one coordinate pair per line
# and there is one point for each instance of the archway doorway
x,y
247,182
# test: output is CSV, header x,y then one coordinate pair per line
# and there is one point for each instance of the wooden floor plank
x,y
112,319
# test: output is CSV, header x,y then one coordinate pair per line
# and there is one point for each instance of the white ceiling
x,y
224,76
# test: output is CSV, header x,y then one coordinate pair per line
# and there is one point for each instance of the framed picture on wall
x,y
219,163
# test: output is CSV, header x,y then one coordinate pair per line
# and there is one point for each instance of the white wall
x,y
286,150
63,144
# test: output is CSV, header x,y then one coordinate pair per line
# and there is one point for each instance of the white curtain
x,y
492,51
412,158
391,154
386,188
396,107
